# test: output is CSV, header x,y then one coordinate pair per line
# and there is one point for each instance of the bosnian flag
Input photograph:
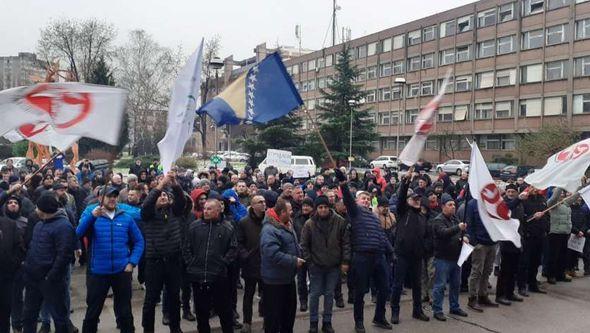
x,y
423,126
493,211
563,169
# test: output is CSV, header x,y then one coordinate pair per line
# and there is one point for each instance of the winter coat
x,y
535,228
248,233
280,249
162,227
12,247
447,237
580,219
561,216
325,242
475,228
114,243
238,211
516,212
413,234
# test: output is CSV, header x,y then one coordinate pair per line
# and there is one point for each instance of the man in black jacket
x,y
448,240
248,234
412,237
299,220
161,214
210,246
12,251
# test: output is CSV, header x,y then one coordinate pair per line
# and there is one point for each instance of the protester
x,y
298,223
12,253
560,219
535,231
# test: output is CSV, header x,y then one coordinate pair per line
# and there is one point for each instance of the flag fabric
x,y
43,135
563,169
265,92
181,116
493,211
423,126
70,108
585,194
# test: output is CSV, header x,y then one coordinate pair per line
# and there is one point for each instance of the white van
x,y
298,164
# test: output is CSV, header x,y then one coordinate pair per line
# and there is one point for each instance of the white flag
x,y
423,126
564,169
585,194
493,211
181,113
70,108
44,135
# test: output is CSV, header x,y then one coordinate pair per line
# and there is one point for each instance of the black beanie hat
x,y
321,200
48,203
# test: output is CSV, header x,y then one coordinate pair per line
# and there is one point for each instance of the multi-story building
x,y
516,66
22,70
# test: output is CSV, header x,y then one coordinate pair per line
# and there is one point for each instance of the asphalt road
x,y
564,309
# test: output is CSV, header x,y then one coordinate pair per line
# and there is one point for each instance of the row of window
x,y
485,142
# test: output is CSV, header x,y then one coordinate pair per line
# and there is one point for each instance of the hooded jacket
x,y
280,249
325,242
195,194
379,180
248,233
238,211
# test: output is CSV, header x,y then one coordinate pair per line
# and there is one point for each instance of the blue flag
x,y
265,92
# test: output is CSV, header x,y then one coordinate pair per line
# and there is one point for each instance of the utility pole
x,y
333,22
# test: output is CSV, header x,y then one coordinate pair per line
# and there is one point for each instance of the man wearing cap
x,y
325,245
370,248
411,241
116,244
45,268
449,235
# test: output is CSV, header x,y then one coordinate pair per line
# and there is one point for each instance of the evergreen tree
x,y
103,75
341,100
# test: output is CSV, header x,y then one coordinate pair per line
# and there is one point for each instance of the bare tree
x,y
212,47
147,70
78,44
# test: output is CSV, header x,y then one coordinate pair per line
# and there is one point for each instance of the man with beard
x,y
45,186
243,195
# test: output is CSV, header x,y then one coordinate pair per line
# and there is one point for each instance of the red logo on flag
x,y
571,154
493,203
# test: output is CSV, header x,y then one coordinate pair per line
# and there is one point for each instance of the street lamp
x,y
216,64
401,82
351,104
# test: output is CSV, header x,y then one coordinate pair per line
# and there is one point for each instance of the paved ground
x,y
564,309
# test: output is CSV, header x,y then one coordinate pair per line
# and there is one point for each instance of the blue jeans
x,y
44,314
322,282
444,271
364,266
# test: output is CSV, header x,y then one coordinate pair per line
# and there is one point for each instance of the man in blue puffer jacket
x,y
116,244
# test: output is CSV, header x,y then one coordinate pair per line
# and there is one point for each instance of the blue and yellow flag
x,y
264,93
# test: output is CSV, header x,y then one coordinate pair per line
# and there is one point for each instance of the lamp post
x,y
401,82
351,104
216,63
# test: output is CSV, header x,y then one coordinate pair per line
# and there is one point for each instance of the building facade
x,y
516,66
21,70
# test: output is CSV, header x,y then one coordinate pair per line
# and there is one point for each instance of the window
x,y
581,103
486,18
372,49
461,112
580,1
531,73
450,85
447,28
386,45
304,86
463,53
322,83
582,66
482,111
505,45
394,117
463,83
532,39
396,92
553,4
362,75
362,51
556,70
414,63
385,69
413,89
530,107
447,57
385,94
311,104
583,29
556,34
311,85
484,80
398,67
329,60
411,116
508,142
398,42
321,62
295,69
428,60
384,118
445,114
530,7
464,23
432,144
491,142
311,65
414,37
370,98
427,88
429,33
371,116
371,72
304,67
506,77
503,109
554,106
506,12
486,48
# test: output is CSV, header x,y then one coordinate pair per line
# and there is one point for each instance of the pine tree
x,y
341,99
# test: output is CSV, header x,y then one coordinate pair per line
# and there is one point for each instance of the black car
x,y
514,172
420,165
496,169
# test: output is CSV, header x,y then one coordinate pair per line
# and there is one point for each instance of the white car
x,y
384,162
454,166
302,166
17,162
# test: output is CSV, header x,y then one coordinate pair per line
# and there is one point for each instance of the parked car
x,y
454,166
100,164
384,162
298,163
495,169
17,162
513,172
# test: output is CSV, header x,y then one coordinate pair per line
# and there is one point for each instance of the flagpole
x,y
550,208
321,137
27,179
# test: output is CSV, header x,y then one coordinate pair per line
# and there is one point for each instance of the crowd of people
x,y
196,238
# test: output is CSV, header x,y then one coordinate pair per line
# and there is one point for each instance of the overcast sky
x,y
241,24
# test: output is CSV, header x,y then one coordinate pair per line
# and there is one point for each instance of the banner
x,y
278,158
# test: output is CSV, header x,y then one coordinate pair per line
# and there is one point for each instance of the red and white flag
x,y
72,109
493,211
422,127
563,169
43,135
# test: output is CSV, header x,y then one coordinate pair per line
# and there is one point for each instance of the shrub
x,y
187,162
